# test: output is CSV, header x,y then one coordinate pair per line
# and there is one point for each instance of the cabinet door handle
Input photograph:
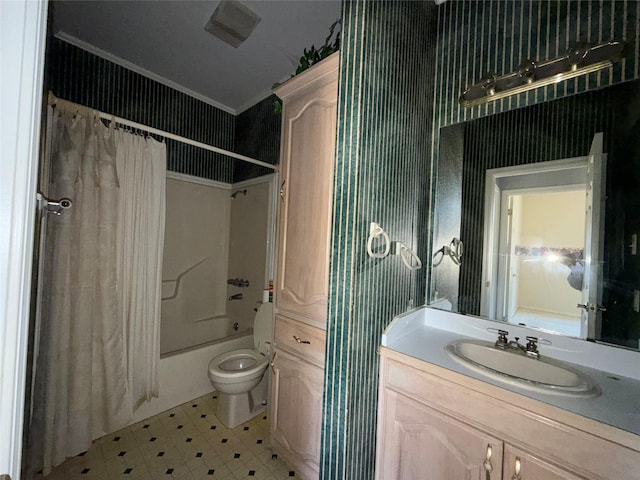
x,y
282,190
273,363
488,467
516,474
299,340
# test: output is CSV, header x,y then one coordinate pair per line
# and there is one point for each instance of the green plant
x,y
313,55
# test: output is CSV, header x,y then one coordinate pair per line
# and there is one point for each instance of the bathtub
x,y
183,374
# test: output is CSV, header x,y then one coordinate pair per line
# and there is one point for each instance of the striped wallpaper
x,y
394,97
475,37
381,167
257,135
79,76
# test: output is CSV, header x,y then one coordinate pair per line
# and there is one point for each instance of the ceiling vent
x,y
232,22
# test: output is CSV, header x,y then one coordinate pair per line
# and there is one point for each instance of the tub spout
x,y
237,296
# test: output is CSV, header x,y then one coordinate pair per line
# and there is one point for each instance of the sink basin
x,y
543,375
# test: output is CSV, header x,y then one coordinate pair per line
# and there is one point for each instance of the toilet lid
x,y
263,328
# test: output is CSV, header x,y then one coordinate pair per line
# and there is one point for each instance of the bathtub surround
x,y
249,237
194,270
210,238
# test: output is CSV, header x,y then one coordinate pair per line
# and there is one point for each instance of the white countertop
x,y
424,333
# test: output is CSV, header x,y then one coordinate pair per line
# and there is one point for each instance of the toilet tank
x,y
263,328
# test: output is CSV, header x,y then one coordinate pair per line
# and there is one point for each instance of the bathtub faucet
x,y
237,296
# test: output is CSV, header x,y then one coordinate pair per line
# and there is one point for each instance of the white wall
x,y
22,40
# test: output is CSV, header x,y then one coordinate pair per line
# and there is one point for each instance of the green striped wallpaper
x,y
403,66
82,77
479,36
381,170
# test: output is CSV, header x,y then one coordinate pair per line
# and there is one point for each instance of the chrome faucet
x,y
515,345
237,296
530,349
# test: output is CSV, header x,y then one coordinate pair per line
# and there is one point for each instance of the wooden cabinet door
x,y
519,465
296,416
307,152
419,443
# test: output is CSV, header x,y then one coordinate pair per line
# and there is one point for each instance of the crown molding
x,y
65,37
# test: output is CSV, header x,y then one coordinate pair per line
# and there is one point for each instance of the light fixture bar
x,y
581,59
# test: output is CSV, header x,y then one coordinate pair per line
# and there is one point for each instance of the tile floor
x,y
187,443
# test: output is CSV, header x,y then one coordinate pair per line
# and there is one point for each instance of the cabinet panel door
x,y
420,443
296,417
309,131
531,468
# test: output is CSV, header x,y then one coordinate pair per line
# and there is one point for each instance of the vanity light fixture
x,y
579,60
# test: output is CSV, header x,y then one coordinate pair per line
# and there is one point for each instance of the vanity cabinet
x,y
302,273
420,442
437,424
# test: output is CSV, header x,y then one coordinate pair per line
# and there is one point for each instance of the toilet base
x,y
234,410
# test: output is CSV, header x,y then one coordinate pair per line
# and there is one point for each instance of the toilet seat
x,y
237,365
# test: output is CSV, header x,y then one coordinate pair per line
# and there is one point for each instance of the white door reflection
x,y
543,250
543,244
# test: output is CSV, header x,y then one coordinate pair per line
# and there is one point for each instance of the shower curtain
x,y
100,290
142,171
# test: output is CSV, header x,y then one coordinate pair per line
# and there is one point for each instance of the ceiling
x,y
167,41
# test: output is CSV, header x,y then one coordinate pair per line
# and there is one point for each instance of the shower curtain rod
x,y
53,101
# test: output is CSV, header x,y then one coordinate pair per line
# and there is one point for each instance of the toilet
x,y
239,375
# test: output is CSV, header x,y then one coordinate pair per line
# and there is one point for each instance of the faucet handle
x,y
531,347
502,341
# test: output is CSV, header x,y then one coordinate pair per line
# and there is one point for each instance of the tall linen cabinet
x,y
302,276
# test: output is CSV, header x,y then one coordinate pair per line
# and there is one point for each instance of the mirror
x,y
537,217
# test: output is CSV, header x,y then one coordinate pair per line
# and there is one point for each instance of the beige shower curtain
x,y
99,341
142,167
